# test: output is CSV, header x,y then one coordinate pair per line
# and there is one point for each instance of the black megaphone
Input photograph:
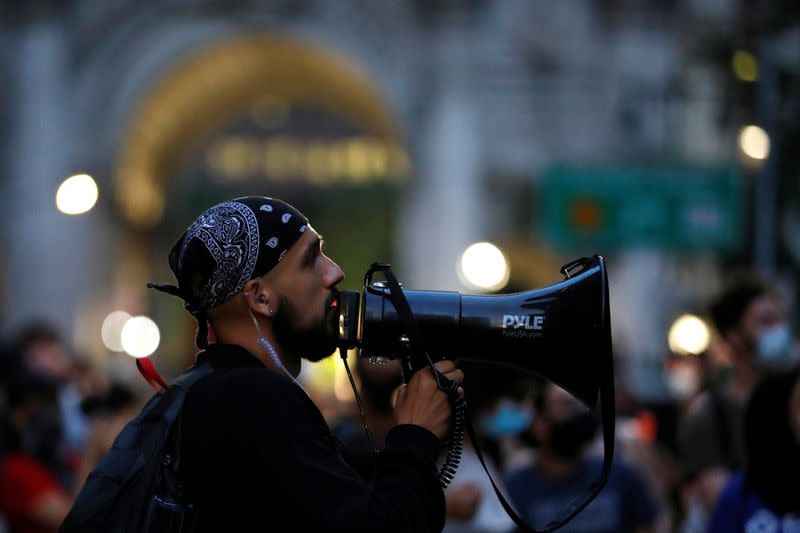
x,y
561,333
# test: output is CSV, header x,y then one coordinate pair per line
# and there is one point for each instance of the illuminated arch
x,y
221,82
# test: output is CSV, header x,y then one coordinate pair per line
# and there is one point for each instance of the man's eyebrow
x,y
314,247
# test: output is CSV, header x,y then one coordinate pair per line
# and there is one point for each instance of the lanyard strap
x,y
607,414
420,359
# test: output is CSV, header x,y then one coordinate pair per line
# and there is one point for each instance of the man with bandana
x,y
256,453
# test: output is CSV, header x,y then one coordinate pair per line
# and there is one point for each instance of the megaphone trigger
x,y
449,386
445,384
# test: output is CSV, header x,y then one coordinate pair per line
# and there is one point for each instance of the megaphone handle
x,y
415,358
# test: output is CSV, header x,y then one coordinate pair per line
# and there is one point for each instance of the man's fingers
x,y
456,375
445,366
401,394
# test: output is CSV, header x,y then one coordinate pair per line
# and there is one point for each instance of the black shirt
x,y
257,455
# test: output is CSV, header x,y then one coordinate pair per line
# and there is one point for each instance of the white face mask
x,y
774,345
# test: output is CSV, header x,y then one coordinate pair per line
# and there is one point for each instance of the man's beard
x,y
314,342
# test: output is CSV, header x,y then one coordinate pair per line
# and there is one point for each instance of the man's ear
x,y
258,297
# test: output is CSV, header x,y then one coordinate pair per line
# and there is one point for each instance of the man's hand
x,y
421,402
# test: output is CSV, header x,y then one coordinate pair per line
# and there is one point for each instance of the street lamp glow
x,y
140,336
483,266
688,335
111,331
745,66
76,195
754,142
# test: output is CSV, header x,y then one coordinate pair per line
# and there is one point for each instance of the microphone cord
x,y
455,446
458,406
455,440
343,354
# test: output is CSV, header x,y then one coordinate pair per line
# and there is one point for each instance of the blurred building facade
x,y
463,106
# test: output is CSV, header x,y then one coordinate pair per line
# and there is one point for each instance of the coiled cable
x,y
455,446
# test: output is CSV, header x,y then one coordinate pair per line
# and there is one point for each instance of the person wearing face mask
x,y
562,430
499,406
753,327
765,495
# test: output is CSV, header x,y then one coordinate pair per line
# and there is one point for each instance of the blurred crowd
x,y
723,455
59,415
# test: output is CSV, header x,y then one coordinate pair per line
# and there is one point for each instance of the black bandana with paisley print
x,y
227,246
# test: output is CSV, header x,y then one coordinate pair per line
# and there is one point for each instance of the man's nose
x,y
333,274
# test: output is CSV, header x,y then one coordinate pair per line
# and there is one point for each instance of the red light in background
x,y
586,215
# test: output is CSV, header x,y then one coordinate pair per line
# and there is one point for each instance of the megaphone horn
x,y
560,332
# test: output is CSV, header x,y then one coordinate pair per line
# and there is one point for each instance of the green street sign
x,y
625,207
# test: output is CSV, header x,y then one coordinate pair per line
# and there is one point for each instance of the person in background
x,y
752,324
501,411
108,412
765,496
471,505
31,498
562,429
645,437
44,352
378,386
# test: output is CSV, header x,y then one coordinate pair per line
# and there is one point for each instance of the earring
x,y
269,309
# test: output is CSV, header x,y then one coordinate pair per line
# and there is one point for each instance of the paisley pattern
x,y
230,234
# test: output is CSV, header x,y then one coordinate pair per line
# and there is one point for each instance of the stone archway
x,y
225,81
194,139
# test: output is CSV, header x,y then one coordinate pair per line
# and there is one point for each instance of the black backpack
x,y
135,487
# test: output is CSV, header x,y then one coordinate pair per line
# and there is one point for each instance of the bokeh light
x,y
76,195
483,266
688,335
111,330
745,66
754,142
140,336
